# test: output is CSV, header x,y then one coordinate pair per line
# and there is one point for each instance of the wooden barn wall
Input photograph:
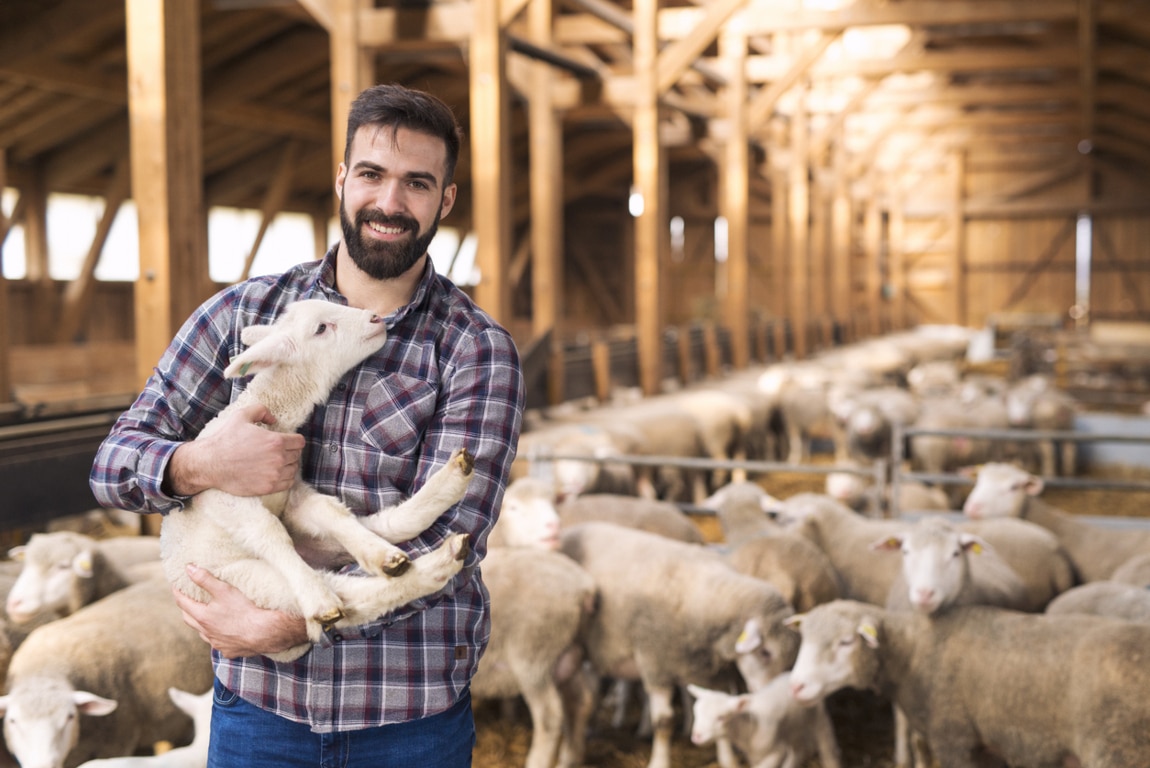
x,y
111,318
1120,274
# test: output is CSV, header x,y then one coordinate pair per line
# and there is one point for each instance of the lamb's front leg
x,y
334,528
444,488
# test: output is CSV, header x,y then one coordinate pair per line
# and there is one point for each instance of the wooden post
x,y
352,71
5,321
648,179
490,159
799,230
735,198
164,104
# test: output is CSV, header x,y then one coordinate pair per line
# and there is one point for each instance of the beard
x,y
384,260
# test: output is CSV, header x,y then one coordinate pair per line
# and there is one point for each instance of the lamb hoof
x,y
328,619
465,461
397,566
461,545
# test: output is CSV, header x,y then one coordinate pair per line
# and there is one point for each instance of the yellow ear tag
x,y
976,548
245,368
742,637
869,631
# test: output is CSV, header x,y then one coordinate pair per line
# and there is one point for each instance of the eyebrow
x,y
422,175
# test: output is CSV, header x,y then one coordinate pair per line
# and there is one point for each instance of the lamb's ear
x,y
868,632
91,704
975,545
1034,485
794,622
887,544
270,350
750,638
254,334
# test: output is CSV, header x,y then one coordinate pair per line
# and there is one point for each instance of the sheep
x,y
943,453
115,659
860,493
1004,490
867,418
1035,403
1034,554
725,423
766,727
1105,598
194,755
760,547
99,523
573,476
63,571
540,600
651,589
651,515
943,567
1134,571
251,542
983,683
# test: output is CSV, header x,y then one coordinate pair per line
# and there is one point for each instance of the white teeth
x,y
386,230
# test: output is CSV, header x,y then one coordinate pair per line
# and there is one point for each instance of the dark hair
x,y
396,106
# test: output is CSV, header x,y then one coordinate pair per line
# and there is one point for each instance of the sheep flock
x,y
697,614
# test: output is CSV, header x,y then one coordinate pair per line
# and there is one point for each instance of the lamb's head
x,y
52,579
935,561
41,720
837,650
319,339
1000,490
528,517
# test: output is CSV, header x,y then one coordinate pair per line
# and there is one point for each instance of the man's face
x,y
392,198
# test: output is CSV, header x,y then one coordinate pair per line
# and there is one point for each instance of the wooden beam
x,y
78,295
352,70
766,99
167,177
678,57
5,321
735,200
958,309
798,241
490,159
648,184
546,182
277,193
842,230
321,11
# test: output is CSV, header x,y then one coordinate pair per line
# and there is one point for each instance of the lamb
x,y
760,547
573,476
725,423
1134,571
674,590
1004,490
194,755
988,684
1033,553
1105,598
115,659
251,542
1035,403
943,567
766,727
63,571
540,600
942,453
860,493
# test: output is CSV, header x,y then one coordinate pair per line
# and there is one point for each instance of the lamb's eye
x,y
319,330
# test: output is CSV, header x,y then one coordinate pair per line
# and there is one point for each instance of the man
x,y
393,692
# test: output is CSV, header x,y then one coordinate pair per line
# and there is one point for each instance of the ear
x,y
448,203
270,350
976,545
1034,485
91,704
868,632
794,622
254,334
750,638
82,564
17,553
697,691
970,473
887,544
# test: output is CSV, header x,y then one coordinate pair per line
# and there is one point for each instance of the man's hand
x,y
233,624
239,457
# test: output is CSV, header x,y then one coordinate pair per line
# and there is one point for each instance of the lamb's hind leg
x,y
368,597
325,518
445,487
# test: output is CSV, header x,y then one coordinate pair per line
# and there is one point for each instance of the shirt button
x,y
342,387
337,638
333,447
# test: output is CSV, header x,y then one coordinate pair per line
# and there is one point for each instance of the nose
x,y
389,197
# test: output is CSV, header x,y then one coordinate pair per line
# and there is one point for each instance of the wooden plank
x,y
273,203
798,240
352,70
5,323
842,219
546,183
649,179
957,266
678,57
490,159
765,100
167,178
735,198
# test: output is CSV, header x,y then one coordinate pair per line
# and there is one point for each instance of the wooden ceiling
x,y
1042,83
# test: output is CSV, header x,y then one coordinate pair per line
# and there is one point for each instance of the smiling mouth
x,y
386,229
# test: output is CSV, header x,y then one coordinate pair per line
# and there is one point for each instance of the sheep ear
x,y
869,633
887,544
794,622
268,352
697,691
17,553
973,544
91,704
82,564
254,334
969,472
1034,485
750,638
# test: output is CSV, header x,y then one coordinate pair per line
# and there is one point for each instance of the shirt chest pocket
x,y
396,414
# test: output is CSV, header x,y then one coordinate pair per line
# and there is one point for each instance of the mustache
x,y
376,217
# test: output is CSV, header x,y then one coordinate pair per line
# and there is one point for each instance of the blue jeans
x,y
245,736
